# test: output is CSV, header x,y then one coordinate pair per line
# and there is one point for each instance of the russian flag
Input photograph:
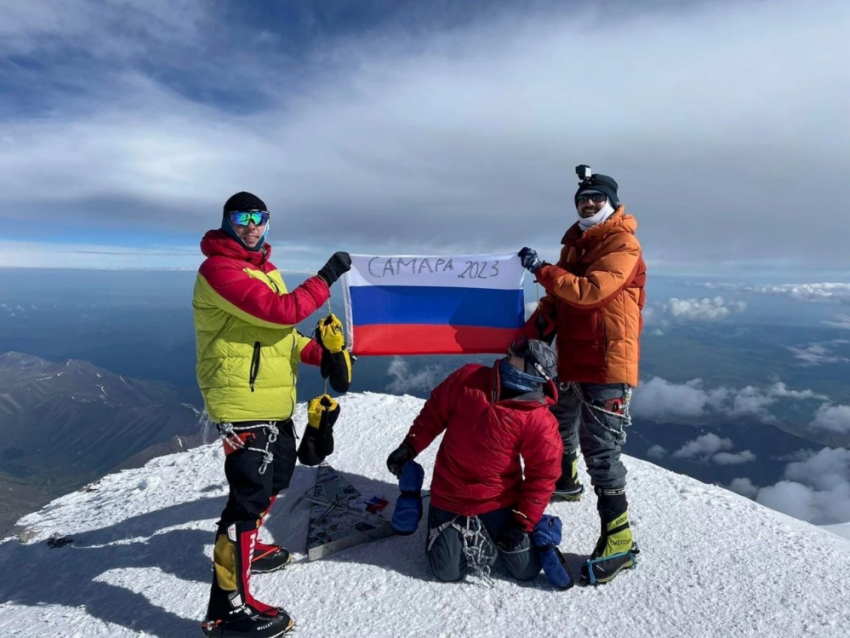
x,y
433,304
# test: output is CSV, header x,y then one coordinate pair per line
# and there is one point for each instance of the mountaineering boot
x,y
232,610
244,622
615,550
568,488
269,558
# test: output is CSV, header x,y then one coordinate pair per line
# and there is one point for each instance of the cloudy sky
x,y
402,126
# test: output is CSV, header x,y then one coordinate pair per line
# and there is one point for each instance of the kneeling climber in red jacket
x,y
480,492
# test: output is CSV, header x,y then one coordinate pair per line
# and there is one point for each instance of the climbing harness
x,y
238,438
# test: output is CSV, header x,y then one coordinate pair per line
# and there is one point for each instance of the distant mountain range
x,y
63,425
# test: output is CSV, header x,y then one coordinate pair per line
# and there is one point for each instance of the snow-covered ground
x,y
712,563
842,529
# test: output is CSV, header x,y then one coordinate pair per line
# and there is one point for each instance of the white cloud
x,y
744,487
738,458
451,137
656,452
659,400
832,418
405,381
816,490
530,307
705,445
841,321
819,353
30,255
829,292
702,309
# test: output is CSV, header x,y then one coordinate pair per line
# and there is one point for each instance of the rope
x,y
478,549
229,434
625,416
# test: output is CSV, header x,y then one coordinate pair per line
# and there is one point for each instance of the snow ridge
x,y
712,563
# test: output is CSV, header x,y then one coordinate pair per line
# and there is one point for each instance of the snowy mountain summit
x,y
712,563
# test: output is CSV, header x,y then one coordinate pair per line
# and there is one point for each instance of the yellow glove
x,y
329,334
318,441
319,407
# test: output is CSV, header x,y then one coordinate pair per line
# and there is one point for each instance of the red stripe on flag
x,y
410,339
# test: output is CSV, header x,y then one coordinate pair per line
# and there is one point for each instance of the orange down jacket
x,y
594,297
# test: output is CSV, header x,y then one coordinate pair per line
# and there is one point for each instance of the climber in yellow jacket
x,y
248,352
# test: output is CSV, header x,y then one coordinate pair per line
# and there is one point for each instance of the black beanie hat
x,y
244,201
601,183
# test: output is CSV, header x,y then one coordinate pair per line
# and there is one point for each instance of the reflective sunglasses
x,y
243,218
596,198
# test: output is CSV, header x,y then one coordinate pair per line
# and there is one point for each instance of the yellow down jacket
x,y
248,349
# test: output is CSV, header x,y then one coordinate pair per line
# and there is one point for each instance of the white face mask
x,y
589,222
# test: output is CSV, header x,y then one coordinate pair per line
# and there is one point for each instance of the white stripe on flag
x,y
495,272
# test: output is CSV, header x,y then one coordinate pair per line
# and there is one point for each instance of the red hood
x,y
217,243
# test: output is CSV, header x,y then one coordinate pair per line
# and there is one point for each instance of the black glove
x,y
512,537
529,259
336,267
396,460
318,441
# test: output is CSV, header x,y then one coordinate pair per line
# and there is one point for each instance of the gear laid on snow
x,y
546,538
318,441
408,507
616,549
568,487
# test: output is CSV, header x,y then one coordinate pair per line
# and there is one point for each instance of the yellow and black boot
x,y
268,557
233,612
616,549
568,487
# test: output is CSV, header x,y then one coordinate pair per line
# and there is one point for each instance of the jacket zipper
x,y
255,365
605,343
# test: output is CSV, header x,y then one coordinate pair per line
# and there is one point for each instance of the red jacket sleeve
x,y
435,414
254,301
311,351
541,449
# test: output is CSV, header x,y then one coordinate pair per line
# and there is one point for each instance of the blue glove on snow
x,y
408,507
529,259
546,536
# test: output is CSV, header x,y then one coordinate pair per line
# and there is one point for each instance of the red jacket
x,y
478,465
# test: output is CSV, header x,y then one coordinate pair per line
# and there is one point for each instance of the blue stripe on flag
x,y
436,306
